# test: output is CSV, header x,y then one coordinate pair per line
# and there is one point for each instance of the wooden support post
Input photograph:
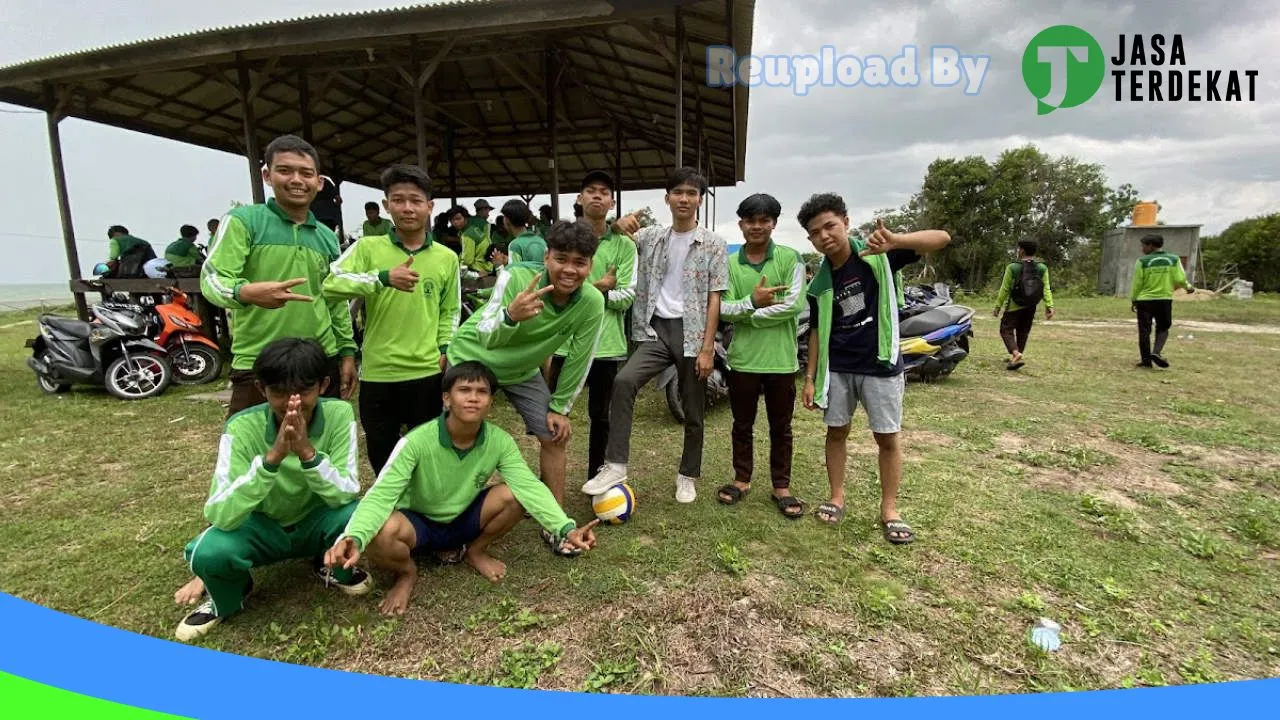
x,y
680,44
52,117
617,169
419,105
451,152
304,106
252,151
552,80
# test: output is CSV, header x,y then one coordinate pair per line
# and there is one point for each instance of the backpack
x,y
132,263
1028,287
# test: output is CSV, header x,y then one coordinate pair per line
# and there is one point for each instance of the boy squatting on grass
x,y
284,485
431,496
853,345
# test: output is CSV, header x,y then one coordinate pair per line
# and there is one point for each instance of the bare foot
x,y
190,593
487,565
397,599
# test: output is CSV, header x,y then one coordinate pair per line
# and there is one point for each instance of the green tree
x,y
1253,246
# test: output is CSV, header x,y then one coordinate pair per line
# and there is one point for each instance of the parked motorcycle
x,y
933,333
113,351
195,358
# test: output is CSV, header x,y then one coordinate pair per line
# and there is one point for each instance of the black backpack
x,y
1028,288
133,261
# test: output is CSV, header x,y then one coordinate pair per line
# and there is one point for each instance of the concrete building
x,y
1122,247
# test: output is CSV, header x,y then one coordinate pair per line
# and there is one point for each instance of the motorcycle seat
x,y
931,320
71,327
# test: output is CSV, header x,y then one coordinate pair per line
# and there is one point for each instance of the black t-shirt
x,y
325,206
855,337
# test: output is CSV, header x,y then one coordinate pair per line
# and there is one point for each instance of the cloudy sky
x,y
1205,163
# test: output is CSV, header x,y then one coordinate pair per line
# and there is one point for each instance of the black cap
x,y
598,176
483,204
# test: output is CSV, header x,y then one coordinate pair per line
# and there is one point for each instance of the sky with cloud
x,y
1206,163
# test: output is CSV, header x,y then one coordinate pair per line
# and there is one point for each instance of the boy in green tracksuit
x,y
526,246
1019,309
765,296
532,313
267,266
1155,276
613,273
284,485
432,497
476,240
853,345
412,299
182,253
374,223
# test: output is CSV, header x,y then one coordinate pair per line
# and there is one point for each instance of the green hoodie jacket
x,y
616,250
1011,273
259,243
764,339
244,483
527,247
429,475
475,246
887,305
515,351
405,332
1156,276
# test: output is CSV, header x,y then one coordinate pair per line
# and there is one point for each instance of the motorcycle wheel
x,y
964,343
194,365
149,376
50,386
674,406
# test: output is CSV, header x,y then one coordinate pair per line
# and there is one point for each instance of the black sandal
x,y
734,492
559,548
786,503
906,534
834,513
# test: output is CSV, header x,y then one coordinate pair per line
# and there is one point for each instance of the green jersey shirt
x,y
244,483
764,339
405,332
382,227
475,247
618,251
1011,273
429,475
1155,276
122,244
515,351
258,243
527,247
182,253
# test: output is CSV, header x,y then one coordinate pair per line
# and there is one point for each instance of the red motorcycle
x,y
195,358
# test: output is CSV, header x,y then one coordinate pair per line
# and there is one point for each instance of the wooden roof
x,y
485,62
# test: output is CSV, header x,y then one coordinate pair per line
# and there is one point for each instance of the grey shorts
x,y
881,396
532,400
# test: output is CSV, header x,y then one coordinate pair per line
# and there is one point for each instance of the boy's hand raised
x,y
272,295
627,225
583,538
881,241
344,554
763,297
403,277
528,302
608,281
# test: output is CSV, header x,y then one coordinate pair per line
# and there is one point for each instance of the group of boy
x,y
286,480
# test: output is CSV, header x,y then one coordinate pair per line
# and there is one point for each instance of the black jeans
x,y
1161,313
1015,327
779,406
385,407
599,393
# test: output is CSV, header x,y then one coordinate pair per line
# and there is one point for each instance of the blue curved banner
x,y
96,661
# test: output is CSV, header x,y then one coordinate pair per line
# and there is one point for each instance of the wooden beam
x,y
252,151
680,52
552,78
304,106
64,200
617,169
419,109
425,73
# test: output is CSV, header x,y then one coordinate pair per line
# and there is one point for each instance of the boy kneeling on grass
x,y
853,346
284,485
432,494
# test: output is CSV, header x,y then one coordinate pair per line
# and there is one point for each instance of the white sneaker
x,y
685,491
610,474
198,622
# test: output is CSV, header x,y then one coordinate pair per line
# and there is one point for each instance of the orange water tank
x,y
1144,213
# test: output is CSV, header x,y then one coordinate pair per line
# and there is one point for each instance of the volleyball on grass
x,y
614,505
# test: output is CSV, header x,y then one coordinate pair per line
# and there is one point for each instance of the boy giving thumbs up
x,y
411,292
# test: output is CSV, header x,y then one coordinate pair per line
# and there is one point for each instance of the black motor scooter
x,y
113,351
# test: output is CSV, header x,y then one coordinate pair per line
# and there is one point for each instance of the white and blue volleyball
x,y
614,505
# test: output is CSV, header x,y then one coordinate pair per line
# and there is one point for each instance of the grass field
x,y
1139,509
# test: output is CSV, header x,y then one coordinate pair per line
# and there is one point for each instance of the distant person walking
x,y
1155,276
1025,285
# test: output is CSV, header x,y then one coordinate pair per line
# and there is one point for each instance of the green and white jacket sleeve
x,y
494,329
378,504
450,310
737,309
788,307
352,275
222,274
1006,287
241,481
332,473
530,491
623,294
1048,291
1135,289
577,362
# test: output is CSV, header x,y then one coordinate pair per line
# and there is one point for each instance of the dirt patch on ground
x,y
1135,471
1194,325
928,437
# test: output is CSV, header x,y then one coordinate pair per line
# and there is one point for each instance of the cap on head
x,y
483,204
598,177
